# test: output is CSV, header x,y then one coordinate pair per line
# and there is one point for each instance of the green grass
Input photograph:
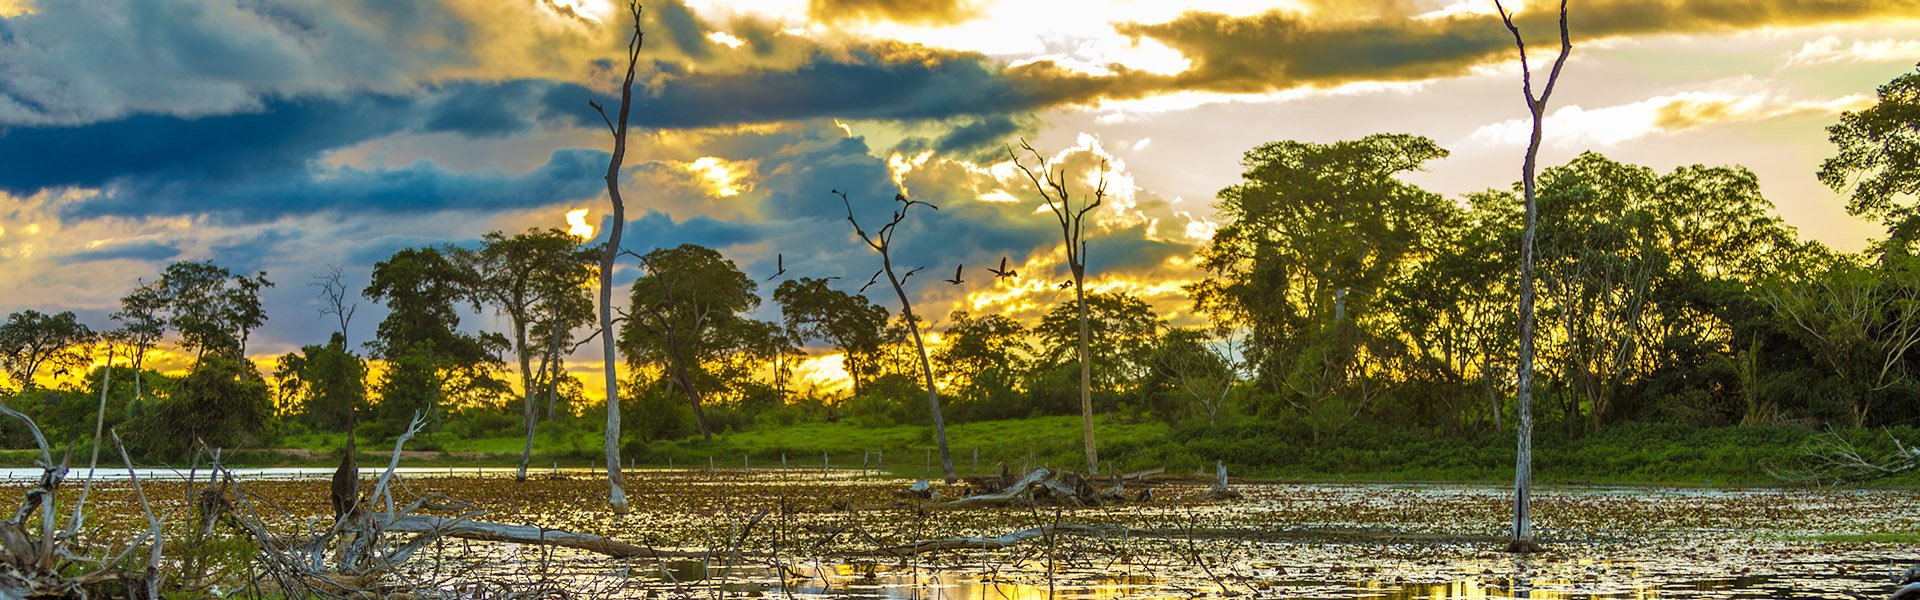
x,y
1879,537
1630,454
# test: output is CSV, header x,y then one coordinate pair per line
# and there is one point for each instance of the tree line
x,y
1334,294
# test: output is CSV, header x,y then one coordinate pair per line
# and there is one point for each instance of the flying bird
x,y
1003,272
870,280
956,275
60,373
780,262
903,278
1066,284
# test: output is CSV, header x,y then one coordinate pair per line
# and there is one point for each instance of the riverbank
x,y
1651,455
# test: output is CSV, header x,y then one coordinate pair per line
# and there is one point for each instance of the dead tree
x,y
618,493
1537,106
38,560
1832,459
881,241
1051,184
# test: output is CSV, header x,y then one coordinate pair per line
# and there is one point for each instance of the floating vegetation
x,y
799,533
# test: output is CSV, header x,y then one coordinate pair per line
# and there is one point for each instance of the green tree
x,y
686,307
1123,330
223,402
538,279
213,309
323,385
848,323
31,340
1878,162
1316,235
142,317
430,360
983,360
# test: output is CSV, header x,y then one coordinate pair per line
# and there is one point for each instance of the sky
x,y
288,136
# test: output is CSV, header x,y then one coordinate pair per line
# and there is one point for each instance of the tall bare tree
x,y
881,241
618,493
1051,183
1523,465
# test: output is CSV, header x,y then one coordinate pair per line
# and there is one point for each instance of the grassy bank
x,y
1626,455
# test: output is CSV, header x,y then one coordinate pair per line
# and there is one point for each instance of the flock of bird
x,y
1003,272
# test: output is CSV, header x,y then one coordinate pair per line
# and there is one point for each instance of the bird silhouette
x,y
780,262
903,278
60,373
870,280
1003,272
1066,284
956,275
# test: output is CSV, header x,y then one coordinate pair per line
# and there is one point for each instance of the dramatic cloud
x,y
1576,127
1390,42
933,12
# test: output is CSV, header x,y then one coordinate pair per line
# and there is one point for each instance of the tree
x,y
429,358
1454,310
983,359
616,480
1861,321
1201,367
323,384
1317,234
1537,107
142,317
223,402
213,309
1879,156
881,242
1121,327
538,280
687,309
1051,183
30,340
848,323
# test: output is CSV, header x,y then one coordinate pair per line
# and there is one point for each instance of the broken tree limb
x,y
520,534
1220,491
1010,494
990,543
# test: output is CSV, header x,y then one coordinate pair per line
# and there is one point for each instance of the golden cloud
x,y
922,12
1289,49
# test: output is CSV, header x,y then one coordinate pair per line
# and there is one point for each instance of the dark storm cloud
x,y
569,174
149,251
1385,42
79,62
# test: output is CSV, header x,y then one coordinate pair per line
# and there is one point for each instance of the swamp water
x,y
812,535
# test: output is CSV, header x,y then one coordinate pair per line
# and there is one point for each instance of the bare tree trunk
x,y
1523,464
682,375
610,355
528,389
926,369
1086,372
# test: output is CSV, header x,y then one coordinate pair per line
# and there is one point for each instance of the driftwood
x,y
1042,486
519,534
990,543
1909,583
1220,491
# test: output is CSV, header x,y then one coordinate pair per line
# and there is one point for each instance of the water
x,y
806,536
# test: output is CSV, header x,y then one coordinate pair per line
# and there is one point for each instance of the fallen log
x,y
521,534
1011,494
990,543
